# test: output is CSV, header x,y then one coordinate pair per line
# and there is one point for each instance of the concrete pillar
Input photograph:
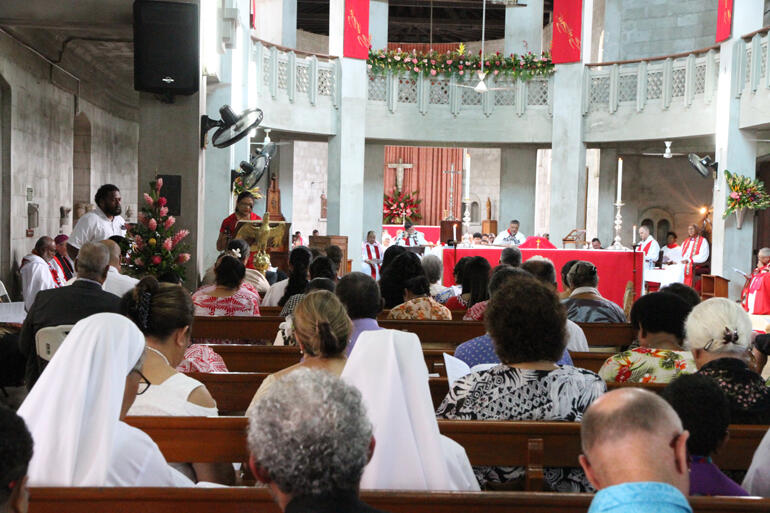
x,y
276,21
289,27
612,27
608,184
285,170
518,176
568,156
346,148
524,28
734,151
374,187
378,23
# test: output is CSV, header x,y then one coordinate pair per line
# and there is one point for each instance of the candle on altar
x,y
620,179
454,232
467,166
634,235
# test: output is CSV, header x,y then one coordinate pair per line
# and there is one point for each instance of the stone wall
x,y
485,182
311,164
634,29
42,152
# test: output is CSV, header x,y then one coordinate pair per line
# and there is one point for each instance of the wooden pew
x,y
270,311
432,333
249,358
591,361
487,442
457,315
251,500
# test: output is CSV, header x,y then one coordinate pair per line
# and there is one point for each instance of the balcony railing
x,y
661,81
423,93
754,62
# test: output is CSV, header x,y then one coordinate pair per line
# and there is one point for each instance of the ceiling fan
x,y
666,154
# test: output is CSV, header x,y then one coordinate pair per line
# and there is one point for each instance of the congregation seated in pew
x,y
15,453
322,329
457,274
585,303
164,314
299,265
475,281
418,304
705,413
76,409
526,323
321,268
387,367
251,278
658,319
360,295
394,275
718,333
431,265
309,439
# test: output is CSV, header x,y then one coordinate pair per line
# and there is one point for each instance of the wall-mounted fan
x,y
705,166
666,154
231,128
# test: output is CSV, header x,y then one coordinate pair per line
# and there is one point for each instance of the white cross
x,y
400,172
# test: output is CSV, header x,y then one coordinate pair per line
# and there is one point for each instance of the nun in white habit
x,y
388,367
75,412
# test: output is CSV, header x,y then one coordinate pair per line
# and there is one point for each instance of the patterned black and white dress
x,y
506,393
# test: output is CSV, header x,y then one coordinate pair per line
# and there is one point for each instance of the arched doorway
x,y
81,167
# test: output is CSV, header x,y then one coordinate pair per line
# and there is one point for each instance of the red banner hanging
x,y
357,39
567,27
724,20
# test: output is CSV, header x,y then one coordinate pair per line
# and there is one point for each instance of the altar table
x,y
432,233
616,268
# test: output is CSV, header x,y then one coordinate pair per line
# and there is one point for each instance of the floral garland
x,y
745,192
400,206
238,188
156,246
459,64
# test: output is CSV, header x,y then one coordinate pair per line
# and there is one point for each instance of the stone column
x,y
524,28
374,187
284,168
289,25
346,148
734,151
608,188
276,21
378,23
518,177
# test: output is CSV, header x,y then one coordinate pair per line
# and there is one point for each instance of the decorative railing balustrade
x,y
754,62
441,92
293,74
661,81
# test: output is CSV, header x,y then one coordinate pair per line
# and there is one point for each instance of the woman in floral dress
x,y
658,319
418,305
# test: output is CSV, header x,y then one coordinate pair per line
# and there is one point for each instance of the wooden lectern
x,y
324,241
713,286
489,226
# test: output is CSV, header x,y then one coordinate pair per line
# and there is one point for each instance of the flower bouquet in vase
x,y
745,193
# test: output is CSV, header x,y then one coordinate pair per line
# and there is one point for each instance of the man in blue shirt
x,y
635,454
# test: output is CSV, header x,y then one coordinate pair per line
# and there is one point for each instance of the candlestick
x,y
618,243
620,179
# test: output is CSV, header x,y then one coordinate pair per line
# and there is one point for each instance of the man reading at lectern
x,y
510,237
410,236
756,293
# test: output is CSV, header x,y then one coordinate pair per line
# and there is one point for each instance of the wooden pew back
x,y
251,500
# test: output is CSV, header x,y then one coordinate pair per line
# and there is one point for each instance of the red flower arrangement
x,y
156,246
400,206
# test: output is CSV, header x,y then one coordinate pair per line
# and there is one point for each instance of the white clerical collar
x,y
585,290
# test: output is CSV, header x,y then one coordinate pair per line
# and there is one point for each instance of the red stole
x,y
756,286
672,246
690,248
377,256
408,240
646,247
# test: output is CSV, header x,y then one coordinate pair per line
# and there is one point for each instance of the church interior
x,y
627,135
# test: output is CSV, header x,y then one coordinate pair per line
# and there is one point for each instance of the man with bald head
x,y
635,454
68,305
116,283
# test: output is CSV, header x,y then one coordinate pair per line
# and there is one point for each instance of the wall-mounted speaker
x,y
166,48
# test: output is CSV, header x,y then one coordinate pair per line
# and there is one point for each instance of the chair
x,y
48,340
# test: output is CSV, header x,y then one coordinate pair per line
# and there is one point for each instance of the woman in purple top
x,y
363,302
705,413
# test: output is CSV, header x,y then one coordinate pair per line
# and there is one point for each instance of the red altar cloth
x,y
432,233
616,268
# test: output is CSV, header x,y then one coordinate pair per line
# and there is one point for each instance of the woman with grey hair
x,y
310,439
431,264
718,332
585,303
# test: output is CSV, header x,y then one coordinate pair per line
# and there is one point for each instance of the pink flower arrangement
x,y
182,258
152,224
169,222
156,260
148,200
158,184
163,211
162,201
167,244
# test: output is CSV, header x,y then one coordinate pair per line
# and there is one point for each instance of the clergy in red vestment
x,y
410,236
649,246
695,252
371,254
537,242
756,293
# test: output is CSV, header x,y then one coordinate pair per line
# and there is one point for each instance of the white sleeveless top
x,y
170,398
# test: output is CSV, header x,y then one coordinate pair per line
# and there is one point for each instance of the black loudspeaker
x,y
166,48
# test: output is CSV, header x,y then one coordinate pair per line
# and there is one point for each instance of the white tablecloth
x,y
673,273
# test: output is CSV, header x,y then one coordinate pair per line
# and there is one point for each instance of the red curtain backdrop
x,y
724,20
357,39
427,177
424,47
567,27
